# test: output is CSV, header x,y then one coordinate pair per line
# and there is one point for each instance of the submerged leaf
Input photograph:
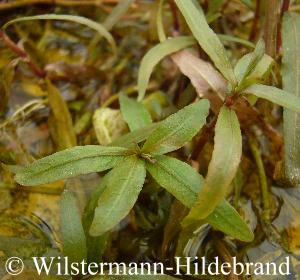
x,y
275,95
109,125
155,55
176,130
206,37
61,124
135,113
222,167
74,241
70,163
291,83
78,19
123,186
201,73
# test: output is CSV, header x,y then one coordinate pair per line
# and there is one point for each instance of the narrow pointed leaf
x,y
185,183
177,177
134,113
291,83
201,73
222,167
78,19
74,241
155,55
61,126
95,245
206,37
275,95
226,219
123,187
177,129
247,64
70,163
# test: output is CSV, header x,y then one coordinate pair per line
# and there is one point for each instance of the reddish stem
x,y
22,54
285,7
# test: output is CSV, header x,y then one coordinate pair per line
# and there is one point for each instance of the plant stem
x,y
262,177
285,6
225,255
271,25
23,55
254,30
176,24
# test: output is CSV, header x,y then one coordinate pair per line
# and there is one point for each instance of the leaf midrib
x,y
70,162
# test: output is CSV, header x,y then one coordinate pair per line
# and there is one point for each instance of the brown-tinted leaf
x,y
61,124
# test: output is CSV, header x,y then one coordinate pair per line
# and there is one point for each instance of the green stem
x,y
262,177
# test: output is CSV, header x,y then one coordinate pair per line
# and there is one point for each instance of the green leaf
x,y
95,245
159,22
70,163
78,19
275,95
206,37
222,167
155,55
116,14
185,183
247,63
177,177
177,129
229,38
123,187
134,113
226,219
74,241
291,83
134,137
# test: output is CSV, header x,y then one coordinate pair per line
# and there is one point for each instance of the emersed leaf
x,y
206,37
95,245
177,129
78,19
226,219
70,163
201,73
185,183
62,127
275,95
134,113
291,83
247,63
222,167
74,241
155,55
123,187
176,177
134,137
